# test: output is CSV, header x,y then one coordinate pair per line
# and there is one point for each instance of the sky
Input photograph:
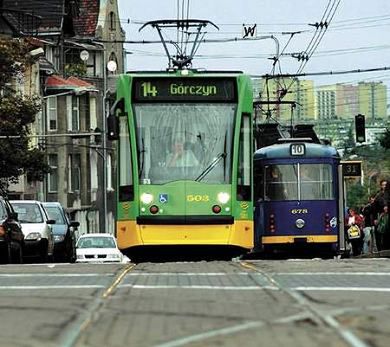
x,y
357,36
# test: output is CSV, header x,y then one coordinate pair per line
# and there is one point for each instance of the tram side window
x,y
258,182
316,182
126,188
281,182
244,160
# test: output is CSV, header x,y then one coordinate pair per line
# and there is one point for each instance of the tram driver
x,y
180,156
275,189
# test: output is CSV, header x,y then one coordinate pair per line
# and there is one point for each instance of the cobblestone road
x,y
252,303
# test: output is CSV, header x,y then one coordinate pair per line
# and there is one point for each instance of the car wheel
x,y
43,254
17,255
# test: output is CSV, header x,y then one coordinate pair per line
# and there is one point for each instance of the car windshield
x,y
96,242
28,213
55,213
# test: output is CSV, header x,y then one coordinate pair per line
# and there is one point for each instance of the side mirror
x,y
113,121
51,221
74,224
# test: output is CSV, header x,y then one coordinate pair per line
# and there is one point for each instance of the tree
x,y
17,112
385,139
356,194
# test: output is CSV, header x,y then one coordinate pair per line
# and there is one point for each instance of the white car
x,y
36,227
101,248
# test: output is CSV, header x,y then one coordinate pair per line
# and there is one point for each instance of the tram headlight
x,y
223,198
146,198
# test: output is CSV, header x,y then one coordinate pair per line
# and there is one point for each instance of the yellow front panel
x,y
130,234
290,239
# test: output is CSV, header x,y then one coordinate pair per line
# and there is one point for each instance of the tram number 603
x,y
297,149
197,198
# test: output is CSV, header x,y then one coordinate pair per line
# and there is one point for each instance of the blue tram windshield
x,y
298,182
184,142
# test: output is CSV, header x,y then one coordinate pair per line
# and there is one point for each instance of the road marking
x,y
117,281
187,273
318,316
88,286
82,322
230,330
57,275
349,289
352,339
213,333
331,273
139,286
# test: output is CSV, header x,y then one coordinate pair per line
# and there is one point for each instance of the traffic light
x,y
360,128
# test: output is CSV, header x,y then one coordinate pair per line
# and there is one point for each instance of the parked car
x,y
98,248
36,227
63,232
11,234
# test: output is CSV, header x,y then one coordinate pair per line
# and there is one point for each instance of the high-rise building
x,y
372,100
325,104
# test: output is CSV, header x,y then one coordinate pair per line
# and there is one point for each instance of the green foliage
x,y
79,70
17,112
385,139
356,195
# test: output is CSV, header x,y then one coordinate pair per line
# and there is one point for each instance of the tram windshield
x,y
297,182
184,142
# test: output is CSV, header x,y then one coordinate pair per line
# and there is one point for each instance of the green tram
x,y
184,159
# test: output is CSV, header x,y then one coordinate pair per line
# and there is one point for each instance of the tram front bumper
x,y
130,234
299,239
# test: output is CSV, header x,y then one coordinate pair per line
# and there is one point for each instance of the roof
x,y
313,150
56,82
86,23
49,17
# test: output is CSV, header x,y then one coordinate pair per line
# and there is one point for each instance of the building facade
x,y
76,83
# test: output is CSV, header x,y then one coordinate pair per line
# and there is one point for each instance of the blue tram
x,y
298,197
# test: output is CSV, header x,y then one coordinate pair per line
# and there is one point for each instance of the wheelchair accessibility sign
x,y
163,198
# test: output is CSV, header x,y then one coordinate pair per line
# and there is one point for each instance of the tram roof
x,y
282,150
189,73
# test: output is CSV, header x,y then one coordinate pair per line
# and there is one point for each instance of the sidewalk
x,y
380,254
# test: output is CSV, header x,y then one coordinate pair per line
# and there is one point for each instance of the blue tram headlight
x,y
223,198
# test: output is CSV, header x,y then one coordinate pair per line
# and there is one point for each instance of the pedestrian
x,y
379,201
369,244
354,225
383,231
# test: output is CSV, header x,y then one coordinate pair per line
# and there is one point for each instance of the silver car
x,y
36,227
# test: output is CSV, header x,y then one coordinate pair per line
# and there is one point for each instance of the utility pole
x,y
104,140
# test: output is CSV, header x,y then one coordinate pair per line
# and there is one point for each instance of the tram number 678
x,y
197,198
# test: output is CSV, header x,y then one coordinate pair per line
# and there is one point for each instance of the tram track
x,y
90,313
318,317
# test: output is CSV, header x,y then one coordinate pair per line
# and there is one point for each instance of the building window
x,y
52,114
52,178
75,113
74,172
112,21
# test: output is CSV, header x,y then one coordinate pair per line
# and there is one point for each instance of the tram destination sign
x,y
352,168
206,89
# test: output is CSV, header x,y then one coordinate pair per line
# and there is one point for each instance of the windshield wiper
x,y
211,166
142,158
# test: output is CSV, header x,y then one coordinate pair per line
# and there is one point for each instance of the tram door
x,y
341,204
